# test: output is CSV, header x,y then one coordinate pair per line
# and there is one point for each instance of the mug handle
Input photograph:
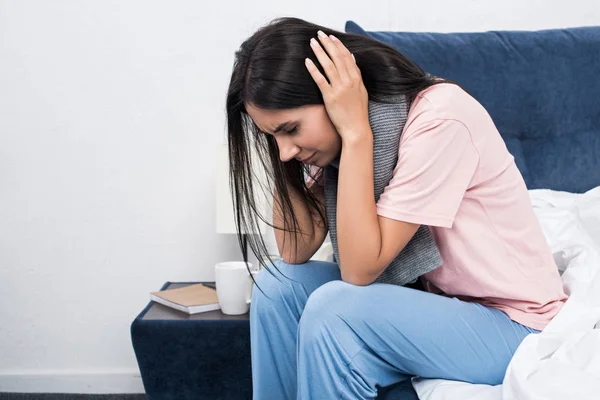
x,y
249,297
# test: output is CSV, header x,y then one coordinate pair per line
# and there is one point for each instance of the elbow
x,y
290,258
358,276
358,279
292,261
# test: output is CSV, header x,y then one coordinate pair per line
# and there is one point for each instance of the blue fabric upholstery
x,y
542,89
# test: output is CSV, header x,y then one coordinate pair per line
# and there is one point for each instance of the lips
x,y
307,160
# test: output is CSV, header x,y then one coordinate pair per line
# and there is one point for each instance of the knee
x,y
326,306
273,283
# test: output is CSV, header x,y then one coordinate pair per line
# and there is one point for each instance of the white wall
x,y
110,115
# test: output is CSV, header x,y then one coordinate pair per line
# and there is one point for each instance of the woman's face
x,y
313,138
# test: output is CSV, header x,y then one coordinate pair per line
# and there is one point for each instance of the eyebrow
x,y
281,126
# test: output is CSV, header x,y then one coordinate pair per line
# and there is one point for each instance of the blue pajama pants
x,y
314,336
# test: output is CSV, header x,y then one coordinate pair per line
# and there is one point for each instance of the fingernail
x,y
321,34
313,42
333,37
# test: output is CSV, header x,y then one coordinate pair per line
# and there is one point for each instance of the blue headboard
x,y
542,89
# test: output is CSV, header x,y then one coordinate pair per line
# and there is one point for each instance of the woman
x,y
323,330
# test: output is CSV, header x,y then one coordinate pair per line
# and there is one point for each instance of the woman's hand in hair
x,y
344,93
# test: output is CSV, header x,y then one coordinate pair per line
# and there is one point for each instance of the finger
x,y
317,76
348,58
336,54
326,60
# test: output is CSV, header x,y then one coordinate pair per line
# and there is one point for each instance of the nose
x,y
287,149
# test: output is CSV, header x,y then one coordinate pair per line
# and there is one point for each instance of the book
x,y
191,299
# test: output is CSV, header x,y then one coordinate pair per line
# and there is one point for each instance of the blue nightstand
x,y
199,356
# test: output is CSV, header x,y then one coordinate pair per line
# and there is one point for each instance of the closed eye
x,y
291,131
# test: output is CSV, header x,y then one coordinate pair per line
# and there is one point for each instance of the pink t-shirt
x,y
455,174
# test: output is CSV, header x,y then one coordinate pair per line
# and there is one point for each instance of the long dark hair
x,y
269,72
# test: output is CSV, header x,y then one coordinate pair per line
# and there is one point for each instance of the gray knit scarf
x,y
421,254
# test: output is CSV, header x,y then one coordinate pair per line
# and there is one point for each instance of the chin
x,y
324,160
319,164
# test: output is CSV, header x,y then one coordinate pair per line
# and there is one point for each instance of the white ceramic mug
x,y
234,286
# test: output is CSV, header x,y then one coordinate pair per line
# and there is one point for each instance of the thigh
x,y
389,330
293,283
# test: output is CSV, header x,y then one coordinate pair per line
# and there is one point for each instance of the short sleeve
x,y
436,163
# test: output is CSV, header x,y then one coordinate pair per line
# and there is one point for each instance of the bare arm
x,y
367,242
313,229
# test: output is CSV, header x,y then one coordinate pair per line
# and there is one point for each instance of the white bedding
x,y
563,361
